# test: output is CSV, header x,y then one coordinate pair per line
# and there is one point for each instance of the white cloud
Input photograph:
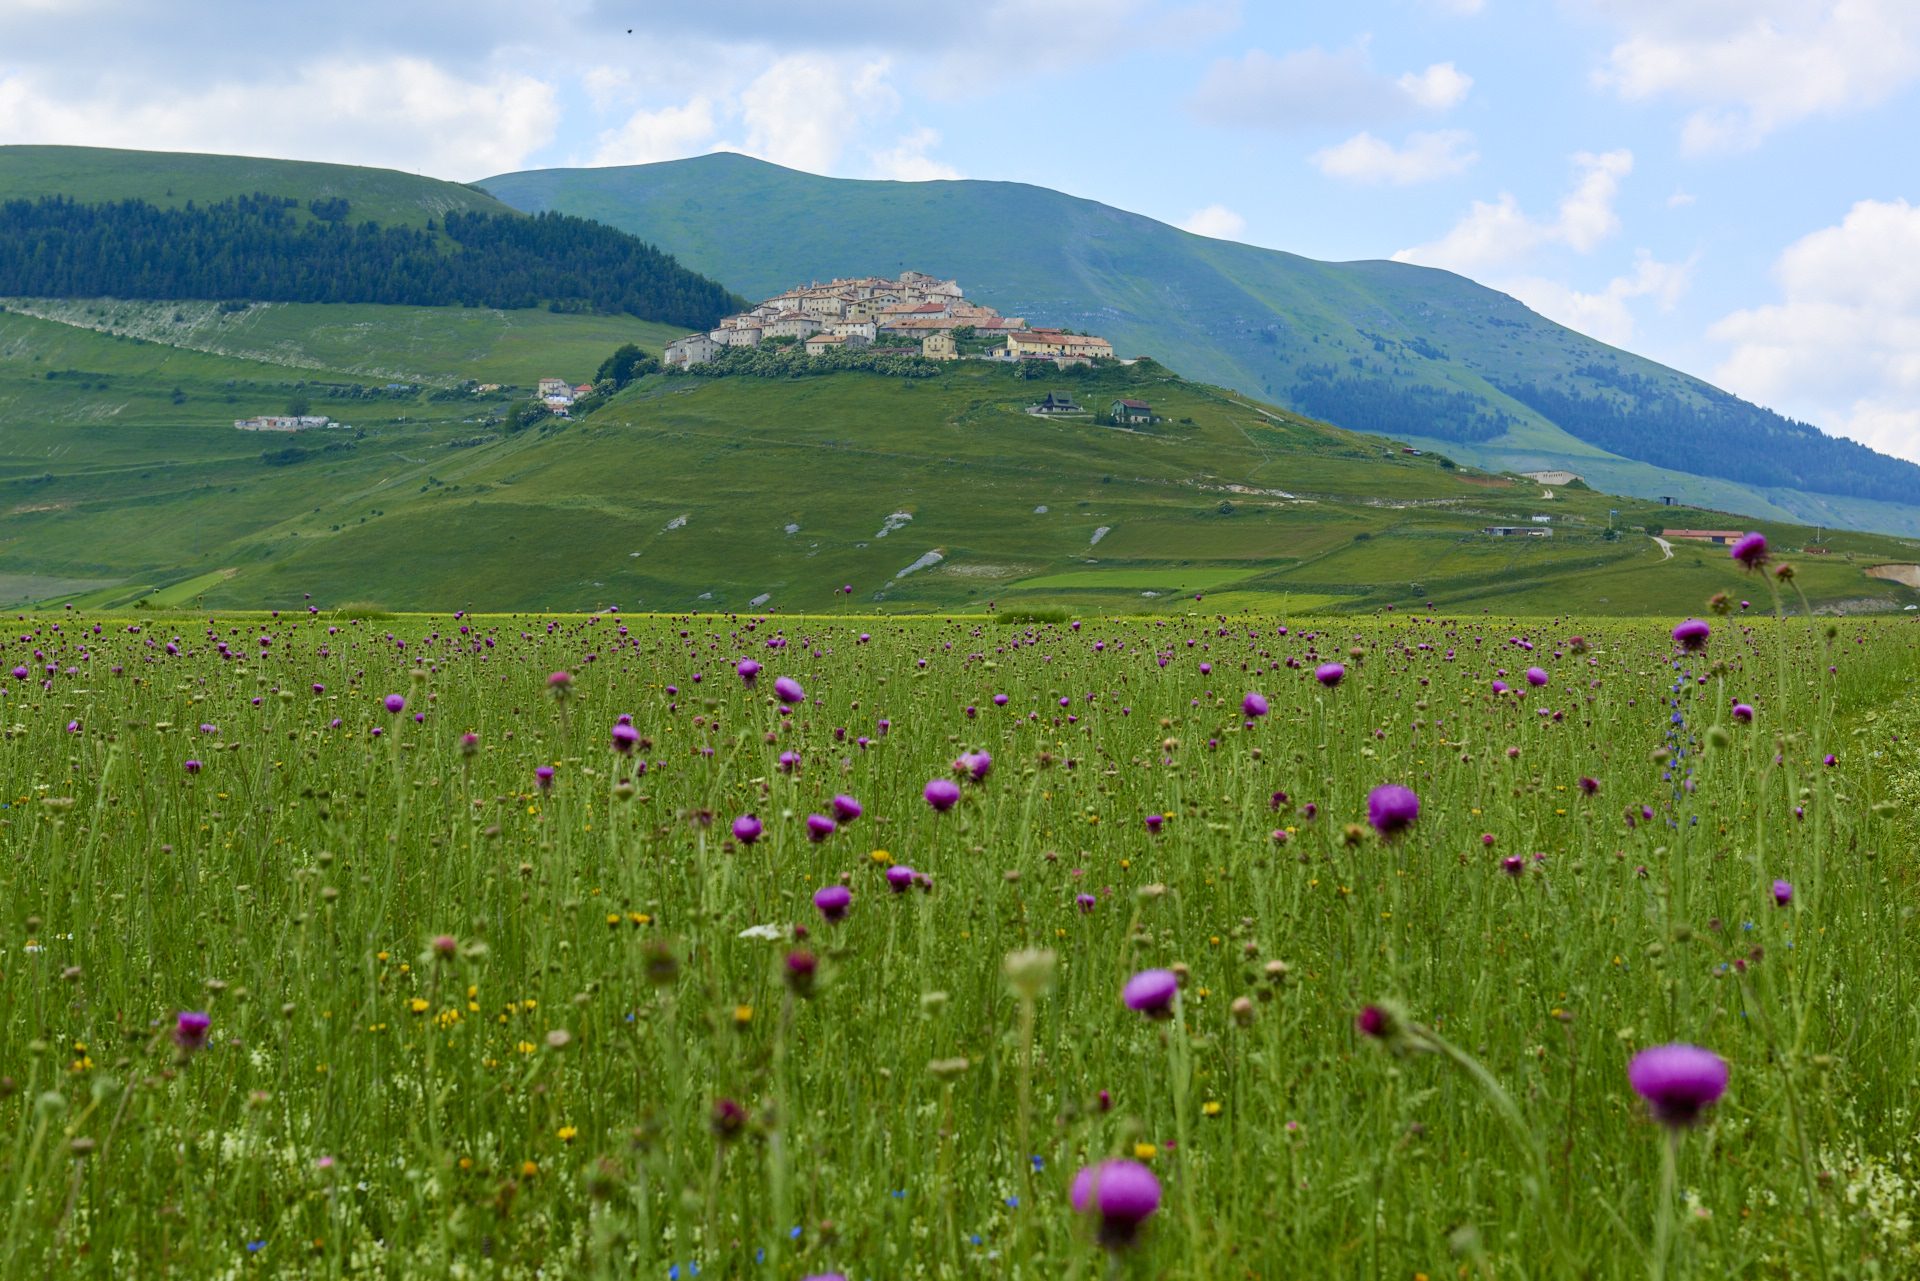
x,y
402,112
907,160
1680,199
1604,315
1215,221
667,134
960,54
1313,88
1438,88
1842,347
1754,66
804,109
1365,158
1500,234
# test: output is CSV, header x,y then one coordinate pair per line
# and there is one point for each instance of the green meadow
x,y
344,946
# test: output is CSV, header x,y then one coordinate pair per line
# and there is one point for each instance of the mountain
x,y
168,179
313,244
1374,346
122,479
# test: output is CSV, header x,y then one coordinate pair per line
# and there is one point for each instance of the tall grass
x,y
465,1026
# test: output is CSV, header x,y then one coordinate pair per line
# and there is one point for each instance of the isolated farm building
x,y
1718,537
288,423
1131,411
1517,531
1056,402
554,387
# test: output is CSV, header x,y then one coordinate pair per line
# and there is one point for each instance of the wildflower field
x,y
749,946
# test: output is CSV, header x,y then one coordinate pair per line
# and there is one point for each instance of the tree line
x,y
1385,408
258,248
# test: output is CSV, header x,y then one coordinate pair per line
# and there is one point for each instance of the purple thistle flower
x,y
1499,687
788,690
1589,786
899,878
1677,1081
1085,902
1829,759
1123,1193
1206,669
1391,809
543,776
1782,893
561,683
190,1030
1330,674
833,902
318,688
1750,551
193,767
801,967
1743,713
396,704
819,827
1536,676
1513,865
746,669
1154,823
942,793
1692,635
974,765
845,808
469,744
1254,705
1151,992
625,739
746,829
1374,1022
999,700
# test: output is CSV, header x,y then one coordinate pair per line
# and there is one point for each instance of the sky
x,y
1727,186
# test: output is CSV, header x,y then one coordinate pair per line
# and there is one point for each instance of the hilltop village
x,y
916,314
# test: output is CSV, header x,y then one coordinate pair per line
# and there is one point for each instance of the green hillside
x,y
438,345
1375,346
122,478
93,175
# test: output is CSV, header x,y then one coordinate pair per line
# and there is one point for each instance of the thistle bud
x,y
1030,972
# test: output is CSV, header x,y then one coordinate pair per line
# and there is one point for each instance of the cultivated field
x,y
493,987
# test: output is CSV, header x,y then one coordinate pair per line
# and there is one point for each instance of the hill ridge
x,y
1226,313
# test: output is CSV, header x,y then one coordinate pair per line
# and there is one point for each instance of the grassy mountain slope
x,y
1377,346
92,175
437,345
121,477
